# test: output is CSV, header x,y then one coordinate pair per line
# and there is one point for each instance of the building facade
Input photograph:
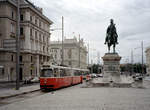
x,y
148,60
34,39
75,53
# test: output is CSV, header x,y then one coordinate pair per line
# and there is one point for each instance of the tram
x,y
55,77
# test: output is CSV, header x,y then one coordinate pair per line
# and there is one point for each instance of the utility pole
x,y
98,62
142,58
79,50
18,46
132,61
62,40
91,66
88,54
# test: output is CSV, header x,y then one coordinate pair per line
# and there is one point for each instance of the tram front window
x,y
47,73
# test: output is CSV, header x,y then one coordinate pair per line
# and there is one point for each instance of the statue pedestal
x,y
111,68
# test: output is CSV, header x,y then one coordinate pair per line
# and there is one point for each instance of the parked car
x,y
99,75
35,79
93,75
137,77
31,80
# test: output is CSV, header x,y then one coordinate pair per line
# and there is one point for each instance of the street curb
x,y
14,95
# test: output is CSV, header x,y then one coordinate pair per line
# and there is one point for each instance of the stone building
x,y
34,39
71,53
148,59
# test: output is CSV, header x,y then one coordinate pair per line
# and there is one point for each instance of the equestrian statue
x,y
111,36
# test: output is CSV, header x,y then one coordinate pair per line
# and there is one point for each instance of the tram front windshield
x,y
47,73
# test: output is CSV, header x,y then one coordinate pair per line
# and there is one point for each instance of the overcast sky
x,y
90,19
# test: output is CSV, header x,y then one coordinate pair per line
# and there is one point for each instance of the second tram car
x,y
55,77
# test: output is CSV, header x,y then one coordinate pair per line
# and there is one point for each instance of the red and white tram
x,y
55,77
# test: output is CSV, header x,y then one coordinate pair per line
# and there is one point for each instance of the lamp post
x,y
142,58
88,54
132,60
18,46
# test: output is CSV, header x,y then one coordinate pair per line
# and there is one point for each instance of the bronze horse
x,y
111,41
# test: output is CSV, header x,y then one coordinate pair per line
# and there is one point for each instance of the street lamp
x,y
18,46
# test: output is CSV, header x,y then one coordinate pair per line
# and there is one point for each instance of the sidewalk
x,y
11,92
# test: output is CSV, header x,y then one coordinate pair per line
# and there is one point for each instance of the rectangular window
x,y
21,31
12,15
36,21
31,72
12,28
47,49
20,58
30,32
31,18
21,17
43,48
31,58
43,39
36,35
2,71
47,40
12,58
39,23
39,36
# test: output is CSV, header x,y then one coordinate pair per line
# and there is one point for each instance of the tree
x,y
96,68
133,68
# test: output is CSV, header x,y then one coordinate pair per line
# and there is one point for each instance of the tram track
x,y
29,95
21,97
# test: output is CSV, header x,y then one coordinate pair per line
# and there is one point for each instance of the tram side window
x,y
47,73
63,72
76,73
69,72
56,72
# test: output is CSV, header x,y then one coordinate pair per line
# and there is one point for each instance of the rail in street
x,y
79,98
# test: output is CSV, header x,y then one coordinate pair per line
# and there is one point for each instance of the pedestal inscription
x,y
111,67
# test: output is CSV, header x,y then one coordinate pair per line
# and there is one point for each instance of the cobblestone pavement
x,y
8,92
77,98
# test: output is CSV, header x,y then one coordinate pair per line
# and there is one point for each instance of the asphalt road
x,y
78,98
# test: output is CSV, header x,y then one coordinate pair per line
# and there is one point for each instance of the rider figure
x,y
111,32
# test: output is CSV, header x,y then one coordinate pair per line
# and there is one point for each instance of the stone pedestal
x,y
111,68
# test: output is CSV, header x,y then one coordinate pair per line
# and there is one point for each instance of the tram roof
x,y
63,67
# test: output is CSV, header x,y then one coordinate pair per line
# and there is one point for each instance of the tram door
x,y
20,75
